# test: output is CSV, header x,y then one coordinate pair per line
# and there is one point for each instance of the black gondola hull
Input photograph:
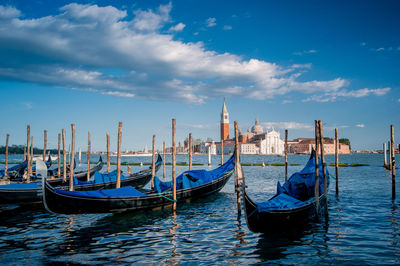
x,y
65,204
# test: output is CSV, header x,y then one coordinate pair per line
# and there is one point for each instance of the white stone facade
x,y
272,144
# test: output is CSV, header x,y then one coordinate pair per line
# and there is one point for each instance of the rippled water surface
x,y
362,226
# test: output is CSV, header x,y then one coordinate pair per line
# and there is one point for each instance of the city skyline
x,y
285,63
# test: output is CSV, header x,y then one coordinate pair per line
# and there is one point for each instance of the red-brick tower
x,y
224,123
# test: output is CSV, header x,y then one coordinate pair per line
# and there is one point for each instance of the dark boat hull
x,y
137,180
65,204
287,219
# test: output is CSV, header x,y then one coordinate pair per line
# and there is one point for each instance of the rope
x,y
166,197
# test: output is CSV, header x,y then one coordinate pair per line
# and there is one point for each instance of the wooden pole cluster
x,y
163,163
71,172
153,161
59,155
119,155
108,153
286,153
316,188
44,145
190,151
392,162
337,160
237,160
64,157
6,165
28,155
88,159
173,164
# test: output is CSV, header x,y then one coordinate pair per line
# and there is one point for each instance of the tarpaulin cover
x,y
105,193
99,178
299,187
194,178
21,186
19,168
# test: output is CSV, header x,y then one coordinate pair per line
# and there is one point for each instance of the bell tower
x,y
224,123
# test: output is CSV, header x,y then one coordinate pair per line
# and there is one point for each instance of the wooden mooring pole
x,y
64,157
222,151
153,161
321,138
88,158
392,162
163,163
384,155
173,164
6,165
44,145
316,188
31,157
59,155
190,151
390,154
80,156
237,160
108,153
28,155
337,160
119,155
286,155
71,172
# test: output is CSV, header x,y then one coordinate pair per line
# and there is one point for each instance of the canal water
x,y
362,226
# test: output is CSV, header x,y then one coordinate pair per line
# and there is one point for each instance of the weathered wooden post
x,y
6,165
108,153
119,155
80,156
31,163
209,156
64,157
173,164
153,161
222,151
71,172
163,163
88,158
190,151
337,160
59,155
28,155
321,137
286,152
390,155
44,145
392,162
237,160
384,155
316,188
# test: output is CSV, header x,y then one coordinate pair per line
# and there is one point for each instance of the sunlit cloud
x,y
360,125
78,46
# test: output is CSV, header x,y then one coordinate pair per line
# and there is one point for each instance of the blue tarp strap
x,y
166,197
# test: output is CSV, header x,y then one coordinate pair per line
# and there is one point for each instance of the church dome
x,y
257,128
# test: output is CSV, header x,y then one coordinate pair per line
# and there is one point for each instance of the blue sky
x,y
287,63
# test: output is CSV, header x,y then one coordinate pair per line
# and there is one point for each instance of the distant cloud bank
x,y
98,49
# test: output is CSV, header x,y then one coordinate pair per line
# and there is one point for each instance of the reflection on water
x,y
362,226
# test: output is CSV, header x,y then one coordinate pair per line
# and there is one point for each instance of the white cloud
x,y
380,49
211,22
227,27
178,27
287,125
83,45
311,51
360,125
331,96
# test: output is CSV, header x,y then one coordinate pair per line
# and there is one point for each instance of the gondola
x,y
16,173
292,206
31,192
190,185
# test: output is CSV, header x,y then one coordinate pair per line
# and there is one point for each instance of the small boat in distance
x,y
293,205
